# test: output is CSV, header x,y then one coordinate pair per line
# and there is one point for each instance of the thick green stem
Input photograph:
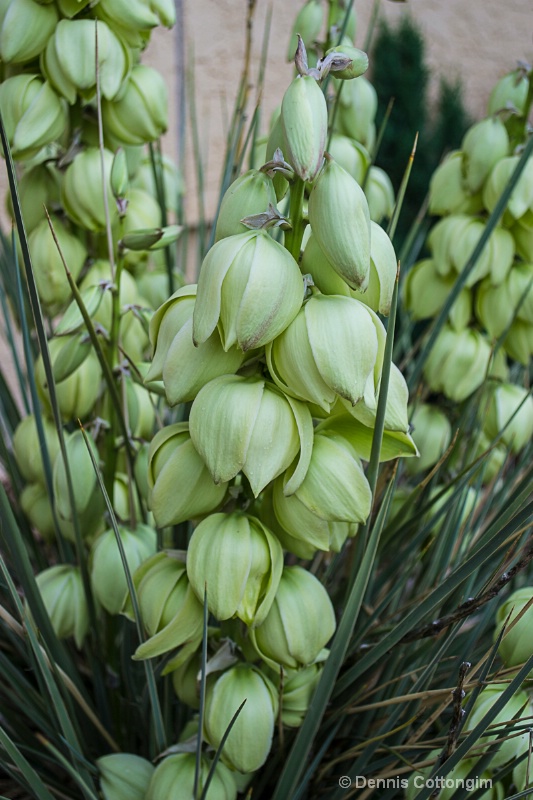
x,y
293,238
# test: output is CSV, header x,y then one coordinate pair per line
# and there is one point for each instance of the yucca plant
x,y
220,577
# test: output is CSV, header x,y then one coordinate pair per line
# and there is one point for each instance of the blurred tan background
x,y
476,40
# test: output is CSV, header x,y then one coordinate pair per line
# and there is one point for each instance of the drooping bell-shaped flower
x,y
239,423
182,367
180,484
299,624
340,220
300,359
251,287
238,562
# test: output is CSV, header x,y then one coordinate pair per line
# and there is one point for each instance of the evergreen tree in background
x,y
400,72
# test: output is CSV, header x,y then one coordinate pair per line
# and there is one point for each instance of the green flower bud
x,y
458,363
27,448
25,29
396,417
124,776
358,104
99,275
119,177
38,187
523,237
340,220
180,485
299,624
351,155
231,424
275,141
297,689
460,510
61,589
521,199
151,238
509,92
124,495
133,334
238,562
33,115
69,8
359,61
498,306
185,681
494,458
85,486
35,504
82,192
161,585
441,238
143,211
264,509
519,341
251,286
325,278
517,644
141,412
447,191
304,120
426,291
170,611
139,114
432,433
308,24
380,194
69,61
461,238
70,356
249,194
483,145
383,272
108,578
300,362
50,277
173,183
248,744
516,708
299,524
174,777
77,394
138,15
510,414
183,367
334,487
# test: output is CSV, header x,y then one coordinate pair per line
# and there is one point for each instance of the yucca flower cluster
x,y
490,324
59,61
279,350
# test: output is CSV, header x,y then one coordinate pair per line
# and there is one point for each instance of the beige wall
x,y
477,40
